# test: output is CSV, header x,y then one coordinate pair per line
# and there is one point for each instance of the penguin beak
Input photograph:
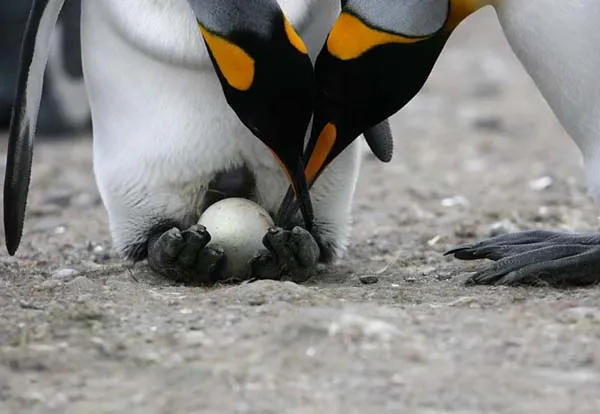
x,y
324,144
268,80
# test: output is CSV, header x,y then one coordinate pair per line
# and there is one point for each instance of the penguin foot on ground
x,y
290,255
535,257
184,256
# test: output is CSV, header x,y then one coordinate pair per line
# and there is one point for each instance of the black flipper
x,y
34,56
381,141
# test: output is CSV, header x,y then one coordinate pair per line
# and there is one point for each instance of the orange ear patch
x,y
235,64
322,149
350,37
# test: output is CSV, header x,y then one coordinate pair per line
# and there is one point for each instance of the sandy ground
x,y
83,332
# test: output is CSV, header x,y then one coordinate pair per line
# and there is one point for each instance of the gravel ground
x,y
391,329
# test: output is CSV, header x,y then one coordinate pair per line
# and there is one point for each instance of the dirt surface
x,y
83,332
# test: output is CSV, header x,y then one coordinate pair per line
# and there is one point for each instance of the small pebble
x,y
48,284
433,241
27,305
64,274
368,280
457,200
502,227
465,301
195,338
541,183
443,276
82,284
360,327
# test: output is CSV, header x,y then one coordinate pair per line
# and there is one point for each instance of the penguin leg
x,y
184,256
535,256
290,255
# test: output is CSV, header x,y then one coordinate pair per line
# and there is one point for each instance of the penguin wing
x,y
34,56
381,141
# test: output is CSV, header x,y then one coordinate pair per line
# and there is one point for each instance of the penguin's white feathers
x,y
558,44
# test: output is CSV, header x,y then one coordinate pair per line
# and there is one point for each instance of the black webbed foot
x,y
535,256
184,256
290,255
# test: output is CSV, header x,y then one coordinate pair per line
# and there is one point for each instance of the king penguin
x,y
179,90
379,54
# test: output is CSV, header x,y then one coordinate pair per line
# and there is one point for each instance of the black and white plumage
x,y
164,130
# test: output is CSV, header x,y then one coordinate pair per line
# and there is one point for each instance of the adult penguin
x,y
162,80
379,54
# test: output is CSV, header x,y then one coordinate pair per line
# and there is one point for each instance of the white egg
x,y
237,225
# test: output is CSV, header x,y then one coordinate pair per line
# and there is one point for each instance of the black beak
x,y
23,122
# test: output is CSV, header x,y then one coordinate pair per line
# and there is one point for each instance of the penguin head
x,y
376,58
267,79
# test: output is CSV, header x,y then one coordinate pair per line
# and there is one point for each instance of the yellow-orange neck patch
x,y
294,38
235,64
350,37
322,149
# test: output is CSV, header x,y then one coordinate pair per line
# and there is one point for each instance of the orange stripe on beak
x,y
350,37
287,173
234,63
322,149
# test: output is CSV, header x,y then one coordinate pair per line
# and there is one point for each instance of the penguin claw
x,y
534,257
289,255
184,256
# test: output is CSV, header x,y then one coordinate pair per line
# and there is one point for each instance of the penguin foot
x,y
535,257
289,255
184,256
